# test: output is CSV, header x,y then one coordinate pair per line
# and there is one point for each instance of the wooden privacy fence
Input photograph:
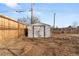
x,y
8,34
10,28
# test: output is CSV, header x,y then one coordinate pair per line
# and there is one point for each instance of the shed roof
x,y
39,24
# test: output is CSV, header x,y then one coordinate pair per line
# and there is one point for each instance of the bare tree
x,y
24,20
69,26
35,20
74,24
28,20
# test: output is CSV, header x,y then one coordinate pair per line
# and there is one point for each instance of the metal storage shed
x,y
39,30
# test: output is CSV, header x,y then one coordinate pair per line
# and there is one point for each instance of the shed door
x,y
39,31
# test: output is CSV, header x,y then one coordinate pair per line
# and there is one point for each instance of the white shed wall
x,y
47,31
39,31
30,31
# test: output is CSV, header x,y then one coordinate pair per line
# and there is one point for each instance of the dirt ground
x,y
57,45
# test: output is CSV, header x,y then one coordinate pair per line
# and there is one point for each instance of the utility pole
x,y
54,21
32,9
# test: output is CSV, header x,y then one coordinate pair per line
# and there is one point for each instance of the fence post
x,y
44,31
18,29
33,31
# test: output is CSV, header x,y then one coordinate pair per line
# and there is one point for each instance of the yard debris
x,y
55,46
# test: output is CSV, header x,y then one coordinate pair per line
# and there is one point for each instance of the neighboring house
x,y
39,30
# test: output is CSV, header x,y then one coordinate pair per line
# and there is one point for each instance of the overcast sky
x,y
66,14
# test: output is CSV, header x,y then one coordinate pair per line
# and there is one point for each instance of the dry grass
x,y
58,45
